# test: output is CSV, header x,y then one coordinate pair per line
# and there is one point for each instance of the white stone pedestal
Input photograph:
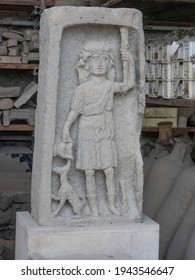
x,y
137,241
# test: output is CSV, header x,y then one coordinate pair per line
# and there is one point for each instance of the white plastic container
x,y
155,89
167,71
150,73
188,70
189,89
166,54
167,89
149,53
188,50
177,69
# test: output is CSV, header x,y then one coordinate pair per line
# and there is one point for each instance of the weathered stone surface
x,y
13,51
88,55
5,216
7,249
3,50
7,232
28,92
10,59
9,92
10,203
19,114
13,36
6,103
12,43
6,200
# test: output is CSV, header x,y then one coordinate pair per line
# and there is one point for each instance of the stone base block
x,y
137,241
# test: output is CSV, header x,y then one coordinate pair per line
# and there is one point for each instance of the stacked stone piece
x,y
11,97
19,47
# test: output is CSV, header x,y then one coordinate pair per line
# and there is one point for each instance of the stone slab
x,y
65,33
10,92
19,114
28,92
10,59
137,241
6,103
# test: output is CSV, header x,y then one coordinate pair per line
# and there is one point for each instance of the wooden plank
x,y
175,129
21,66
49,3
17,127
171,102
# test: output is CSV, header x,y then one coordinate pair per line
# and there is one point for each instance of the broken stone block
x,y
33,46
12,43
28,92
4,43
6,200
19,114
33,57
12,35
28,33
10,59
25,47
10,92
3,50
5,216
24,57
13,51
6,103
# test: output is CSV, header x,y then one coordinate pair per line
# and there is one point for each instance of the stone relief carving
x,y
66,192
92,105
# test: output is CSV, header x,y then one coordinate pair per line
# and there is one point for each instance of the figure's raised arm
x,y
128,64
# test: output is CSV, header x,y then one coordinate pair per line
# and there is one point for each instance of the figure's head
x,y
96,59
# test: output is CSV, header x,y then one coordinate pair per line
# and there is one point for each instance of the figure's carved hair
x,y
83,62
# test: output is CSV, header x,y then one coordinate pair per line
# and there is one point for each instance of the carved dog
x,y
67,193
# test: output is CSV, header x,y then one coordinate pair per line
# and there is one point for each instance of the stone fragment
x,y
33,46
28,92
10,59
13,36
6,103
13,51
10,92
6,200
12,43
3,50
25,47
19,114
5,216
33,57
24,57
28,33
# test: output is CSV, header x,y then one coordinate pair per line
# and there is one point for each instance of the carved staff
x,y
124,48
128,61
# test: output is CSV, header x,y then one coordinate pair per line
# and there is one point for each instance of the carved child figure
x,y
93,103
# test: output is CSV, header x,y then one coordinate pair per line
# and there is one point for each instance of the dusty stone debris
x,y
10,202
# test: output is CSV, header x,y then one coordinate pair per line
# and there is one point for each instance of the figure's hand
x,y
124,55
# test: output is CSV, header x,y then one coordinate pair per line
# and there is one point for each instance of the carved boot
x,y
111,204
92,200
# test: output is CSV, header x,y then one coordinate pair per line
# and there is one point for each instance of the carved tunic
x,y
96,146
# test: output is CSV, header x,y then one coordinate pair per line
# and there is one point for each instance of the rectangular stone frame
x,y
50,38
